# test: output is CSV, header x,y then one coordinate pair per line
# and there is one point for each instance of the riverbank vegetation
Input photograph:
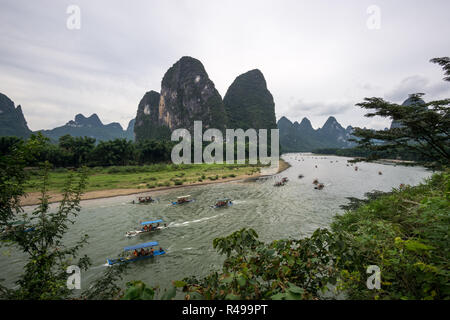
x,y
144,177
368,155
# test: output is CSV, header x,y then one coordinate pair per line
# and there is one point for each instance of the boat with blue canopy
x,y
14,226
147,226
138,253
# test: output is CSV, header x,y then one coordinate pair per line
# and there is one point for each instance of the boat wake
x,y
134,233
186,223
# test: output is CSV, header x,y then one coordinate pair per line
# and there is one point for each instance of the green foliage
x,y
45,274
12,179
79,148
178,182
254,270
40,234
406,235
423,128
116,152
137,290
444,62
400,153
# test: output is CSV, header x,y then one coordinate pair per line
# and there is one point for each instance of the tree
x,y
151,151
424,129
40,238
283,269
40,235
444,62
7,144
79,147
118,152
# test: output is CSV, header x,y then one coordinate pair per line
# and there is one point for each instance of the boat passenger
x,y
135,253
152,252
142,253
161,249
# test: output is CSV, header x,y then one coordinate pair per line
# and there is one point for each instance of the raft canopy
x,y
141,246
150,222
224,200
183,197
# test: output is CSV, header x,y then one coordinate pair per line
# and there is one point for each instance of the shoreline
x,y
32,198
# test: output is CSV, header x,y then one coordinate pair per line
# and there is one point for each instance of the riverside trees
x,y
40,234
424,127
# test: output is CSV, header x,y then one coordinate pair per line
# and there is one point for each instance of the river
x,y
292,211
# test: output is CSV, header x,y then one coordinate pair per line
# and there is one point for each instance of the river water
x,y
292,211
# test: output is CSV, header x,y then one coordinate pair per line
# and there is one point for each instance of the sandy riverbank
x,y
32,198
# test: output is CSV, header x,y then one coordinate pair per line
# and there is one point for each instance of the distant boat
x,y
182,200
281,183
144,200
149,254
320,186
221,203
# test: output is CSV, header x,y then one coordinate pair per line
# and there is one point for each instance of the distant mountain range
x,y
12,123
302,137
91,127
187,94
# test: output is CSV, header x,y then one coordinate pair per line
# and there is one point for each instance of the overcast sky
x,y
319,58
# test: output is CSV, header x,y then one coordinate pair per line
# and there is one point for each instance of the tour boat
x,y
143,229
145,200
136,258
182,200
221,203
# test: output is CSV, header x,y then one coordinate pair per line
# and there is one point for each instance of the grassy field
x,y
145,177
